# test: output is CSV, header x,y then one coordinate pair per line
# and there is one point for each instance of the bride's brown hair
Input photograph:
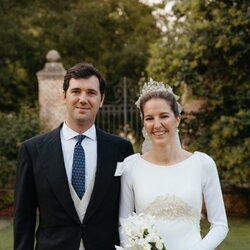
x,y
169,98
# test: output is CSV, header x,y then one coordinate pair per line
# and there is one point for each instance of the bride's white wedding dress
x,y
174,195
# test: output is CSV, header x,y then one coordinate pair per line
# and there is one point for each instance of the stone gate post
x,y
50,80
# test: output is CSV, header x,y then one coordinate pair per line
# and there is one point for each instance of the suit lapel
x,y
52,159
106,160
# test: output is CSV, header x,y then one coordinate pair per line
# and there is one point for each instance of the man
x,y
71,182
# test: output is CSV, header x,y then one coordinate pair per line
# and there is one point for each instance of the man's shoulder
x,y
43,136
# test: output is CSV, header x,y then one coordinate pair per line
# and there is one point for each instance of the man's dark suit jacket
x,y
42,183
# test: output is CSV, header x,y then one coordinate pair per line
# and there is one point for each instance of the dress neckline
x,y
170,165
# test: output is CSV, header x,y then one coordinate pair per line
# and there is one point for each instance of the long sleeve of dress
x,y
214,205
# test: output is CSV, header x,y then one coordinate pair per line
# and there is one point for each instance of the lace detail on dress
x,y
172,207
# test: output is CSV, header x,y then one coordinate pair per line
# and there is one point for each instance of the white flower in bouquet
x,y
140,233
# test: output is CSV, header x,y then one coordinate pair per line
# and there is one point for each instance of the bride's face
x,y
159,121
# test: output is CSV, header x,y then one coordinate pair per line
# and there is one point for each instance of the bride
x,y
169,182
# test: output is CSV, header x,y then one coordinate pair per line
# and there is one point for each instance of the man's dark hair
x,y
85,71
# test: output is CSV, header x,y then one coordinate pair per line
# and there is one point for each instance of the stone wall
x,y
50,81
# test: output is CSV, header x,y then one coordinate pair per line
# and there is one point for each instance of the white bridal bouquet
x,y
140,233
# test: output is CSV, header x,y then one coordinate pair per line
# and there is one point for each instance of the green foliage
x,y
113,35
207,47
7,170
6,199
14,129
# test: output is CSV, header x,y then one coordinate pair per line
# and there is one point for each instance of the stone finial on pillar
x,y
50,81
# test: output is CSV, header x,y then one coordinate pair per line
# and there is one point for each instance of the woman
x,y
169,182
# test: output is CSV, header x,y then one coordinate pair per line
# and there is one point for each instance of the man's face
x,y
83,100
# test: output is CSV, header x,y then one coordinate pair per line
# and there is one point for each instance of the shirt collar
x,y
69,133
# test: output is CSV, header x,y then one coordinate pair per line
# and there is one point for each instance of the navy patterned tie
x,y
78,168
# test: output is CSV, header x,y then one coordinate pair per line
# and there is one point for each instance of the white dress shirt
x,y
89,143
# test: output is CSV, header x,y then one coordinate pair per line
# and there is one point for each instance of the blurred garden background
x,y
199,47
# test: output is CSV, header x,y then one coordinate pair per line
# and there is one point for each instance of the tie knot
x,y
80,138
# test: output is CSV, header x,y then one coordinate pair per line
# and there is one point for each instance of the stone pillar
x,y
50,80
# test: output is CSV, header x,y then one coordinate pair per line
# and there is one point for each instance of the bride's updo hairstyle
x,y
169,98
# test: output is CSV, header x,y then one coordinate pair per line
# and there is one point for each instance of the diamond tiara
x,y
154,86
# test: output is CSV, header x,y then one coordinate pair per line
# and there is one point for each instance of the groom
x,y
72,183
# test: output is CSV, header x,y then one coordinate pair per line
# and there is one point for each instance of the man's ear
x,y
102,101
63,96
